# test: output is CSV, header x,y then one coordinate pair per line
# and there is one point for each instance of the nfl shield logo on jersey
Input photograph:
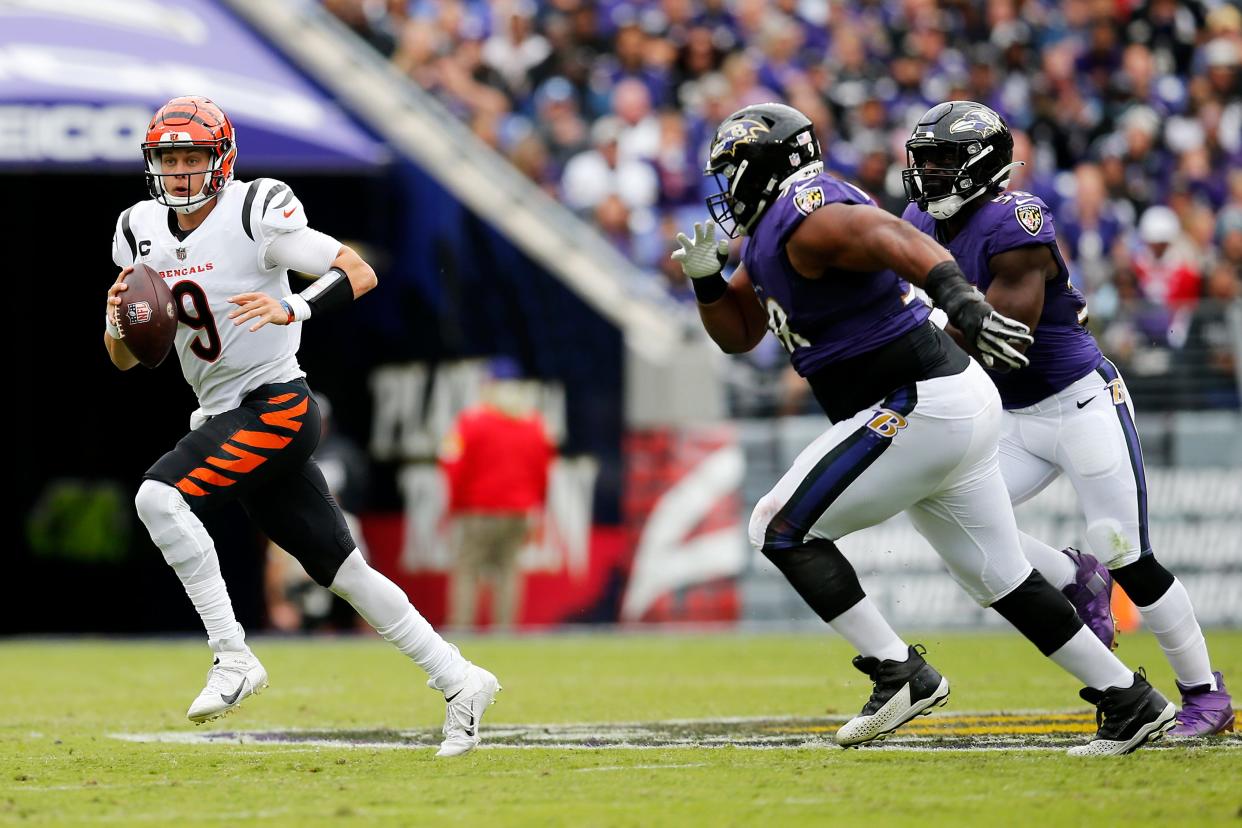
x,y
181,254
138,312
1030,217
809,200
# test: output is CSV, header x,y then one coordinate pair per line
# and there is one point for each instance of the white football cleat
x,y
466,702
233,676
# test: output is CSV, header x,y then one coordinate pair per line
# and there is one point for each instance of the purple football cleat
x,y
1092,595
1205,711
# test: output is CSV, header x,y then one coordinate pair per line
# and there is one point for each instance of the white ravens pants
x,y
1087,433
928,449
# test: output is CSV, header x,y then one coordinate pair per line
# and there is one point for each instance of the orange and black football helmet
x,y
190,121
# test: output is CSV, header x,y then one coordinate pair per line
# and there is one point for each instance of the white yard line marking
x,y
946,732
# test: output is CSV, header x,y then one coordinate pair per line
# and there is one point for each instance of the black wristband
x,y
948,288
709,289
329,292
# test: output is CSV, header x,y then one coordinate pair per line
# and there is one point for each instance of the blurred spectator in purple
x,y
1102,56
780,43
1089,225
715,15
678,169
559,122
699,54
1145,168
635,56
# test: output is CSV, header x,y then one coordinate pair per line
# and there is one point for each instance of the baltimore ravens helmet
x,y
755,150
958,151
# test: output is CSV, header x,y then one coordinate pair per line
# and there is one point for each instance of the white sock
x,y
191,553
386,607
1053,564
1172,620
1086,657
864,627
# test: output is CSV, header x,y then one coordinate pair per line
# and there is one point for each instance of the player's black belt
x,y
844,388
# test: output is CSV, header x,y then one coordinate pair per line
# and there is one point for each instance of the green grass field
x,y
63,704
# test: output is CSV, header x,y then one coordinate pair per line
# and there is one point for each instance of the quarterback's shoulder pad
x,y
270,207
1019,219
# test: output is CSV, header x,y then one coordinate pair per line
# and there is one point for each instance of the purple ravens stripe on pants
x,y
832,475
1116,385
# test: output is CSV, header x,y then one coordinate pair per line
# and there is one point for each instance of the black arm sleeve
x,y
329,292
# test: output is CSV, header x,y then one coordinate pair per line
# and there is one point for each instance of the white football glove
x,y
703,256
996,338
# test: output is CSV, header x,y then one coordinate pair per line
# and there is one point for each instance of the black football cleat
x,y
1126,718
903,690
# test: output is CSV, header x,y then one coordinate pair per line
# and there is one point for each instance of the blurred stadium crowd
x,y
1127,114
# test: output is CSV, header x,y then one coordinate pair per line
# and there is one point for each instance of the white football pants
x,y
929,449
1086,432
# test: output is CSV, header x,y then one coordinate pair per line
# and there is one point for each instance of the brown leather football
x,y
148,316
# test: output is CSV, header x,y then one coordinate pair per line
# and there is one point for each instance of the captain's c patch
x,y
1030,217
809,200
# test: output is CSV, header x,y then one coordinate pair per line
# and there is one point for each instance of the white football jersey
x,y
222,257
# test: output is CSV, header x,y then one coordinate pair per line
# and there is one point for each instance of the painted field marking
x,y
942,732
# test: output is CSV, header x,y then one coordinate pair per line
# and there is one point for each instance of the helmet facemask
x,y
735,217
213,177
942,176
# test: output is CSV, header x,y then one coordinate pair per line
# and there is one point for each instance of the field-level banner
x,y
79,82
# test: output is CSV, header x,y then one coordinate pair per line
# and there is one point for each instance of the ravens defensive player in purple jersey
x,y
1067,412
914,421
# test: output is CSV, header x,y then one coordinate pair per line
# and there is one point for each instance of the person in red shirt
x,y
496,460
1166,273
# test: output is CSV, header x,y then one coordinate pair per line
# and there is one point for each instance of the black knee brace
x,y
1040,613
1145,581
821,575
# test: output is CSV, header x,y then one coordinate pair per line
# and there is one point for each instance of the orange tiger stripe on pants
x,y
287,417
247,461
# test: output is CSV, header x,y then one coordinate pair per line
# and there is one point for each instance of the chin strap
x,y
950,205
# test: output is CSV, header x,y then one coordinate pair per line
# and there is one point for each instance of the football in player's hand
x,y
148,316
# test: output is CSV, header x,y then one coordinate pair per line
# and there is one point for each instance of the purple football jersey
x,y
1064,351
843,313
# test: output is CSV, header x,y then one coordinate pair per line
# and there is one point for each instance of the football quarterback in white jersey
x,y
223,247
